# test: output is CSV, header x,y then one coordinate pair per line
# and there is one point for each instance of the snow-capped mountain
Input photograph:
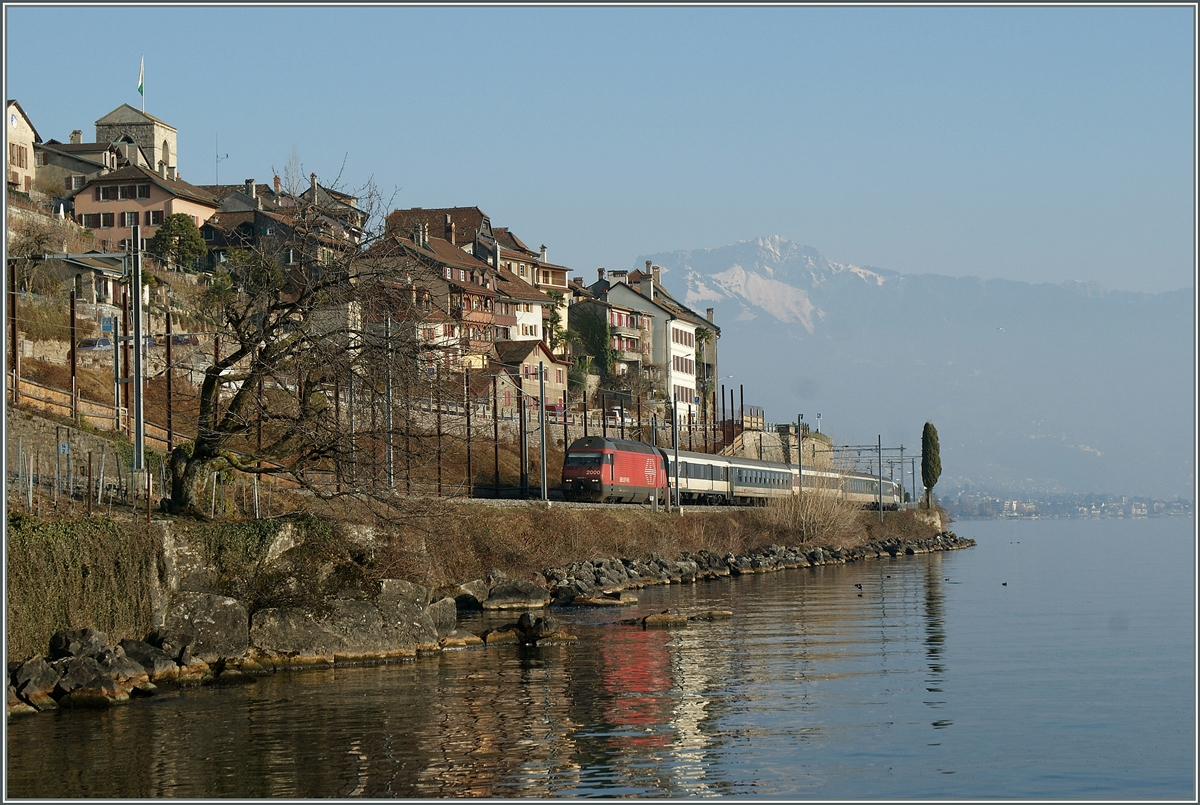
x,y
1067,387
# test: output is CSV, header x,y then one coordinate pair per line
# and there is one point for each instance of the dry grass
x,y
904,526
93,384
813,519
453,543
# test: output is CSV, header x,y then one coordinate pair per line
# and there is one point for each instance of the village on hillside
x,y
389,301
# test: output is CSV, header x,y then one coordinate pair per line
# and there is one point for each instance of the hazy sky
x,y
1038,144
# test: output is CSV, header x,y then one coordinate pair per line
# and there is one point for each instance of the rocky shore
x,y
207,638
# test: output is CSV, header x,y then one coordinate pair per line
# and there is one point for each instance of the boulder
x,y
143,689
221,625
607,600
119,668
74,672
98,693
508,593
16,707
259,661
503,634
397,592
469,597
196,672
351,631
458,639
233,676
290,630
536,630
572,587
173,642
664,620
158,664
34,682
76,643
444,614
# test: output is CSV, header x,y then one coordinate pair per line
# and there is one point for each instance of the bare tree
x,y
301,364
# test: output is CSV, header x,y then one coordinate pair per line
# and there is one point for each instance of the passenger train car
x,y
622,471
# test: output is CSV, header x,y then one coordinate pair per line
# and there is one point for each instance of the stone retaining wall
x,y
200,636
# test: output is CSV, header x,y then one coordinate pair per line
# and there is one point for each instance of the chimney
x,y
251,189
312,178
76,137
171,172
600,272
708,314
543,252
647,266
450,230
162,169
425,235
577,280
276,183
416,233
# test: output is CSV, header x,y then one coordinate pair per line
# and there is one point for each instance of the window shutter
x,y
97,194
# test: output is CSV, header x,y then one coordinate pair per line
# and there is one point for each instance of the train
x,y
602,470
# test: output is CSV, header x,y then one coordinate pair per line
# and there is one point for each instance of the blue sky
x,y
1032,143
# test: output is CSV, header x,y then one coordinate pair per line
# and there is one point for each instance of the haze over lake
x,y
1033,387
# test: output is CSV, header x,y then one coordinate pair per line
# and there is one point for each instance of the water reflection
x,y
810,664
935,637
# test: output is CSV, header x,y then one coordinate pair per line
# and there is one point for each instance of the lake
x,y
1053,660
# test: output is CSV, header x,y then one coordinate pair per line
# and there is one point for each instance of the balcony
x,y
468,316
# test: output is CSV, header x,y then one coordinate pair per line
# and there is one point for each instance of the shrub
x,y
815,517
71,574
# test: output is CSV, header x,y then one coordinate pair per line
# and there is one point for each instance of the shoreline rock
x,y
211,639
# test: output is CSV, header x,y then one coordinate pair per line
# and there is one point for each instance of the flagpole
x,y
142,83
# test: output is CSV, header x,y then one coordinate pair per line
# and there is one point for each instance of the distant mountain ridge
x,y
1066,387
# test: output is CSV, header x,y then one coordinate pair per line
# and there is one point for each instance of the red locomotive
x,y
613,471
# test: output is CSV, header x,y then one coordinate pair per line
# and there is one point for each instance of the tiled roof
x,y
229,221
466,220
74,148
438,254
518,289
510,241
580,290
439,251
263,191
512,353
176,187
87,157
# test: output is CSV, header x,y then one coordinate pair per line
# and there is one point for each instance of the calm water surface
x,y
1074,680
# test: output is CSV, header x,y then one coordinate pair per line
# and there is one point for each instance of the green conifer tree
x,y
931,461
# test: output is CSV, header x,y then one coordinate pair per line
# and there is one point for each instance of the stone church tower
x,y
156,138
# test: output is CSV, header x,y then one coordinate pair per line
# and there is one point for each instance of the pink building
x,y
111,204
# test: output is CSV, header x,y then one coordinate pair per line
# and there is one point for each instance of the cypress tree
x,y
931,461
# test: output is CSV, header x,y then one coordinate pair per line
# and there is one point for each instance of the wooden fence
x,y
97,414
